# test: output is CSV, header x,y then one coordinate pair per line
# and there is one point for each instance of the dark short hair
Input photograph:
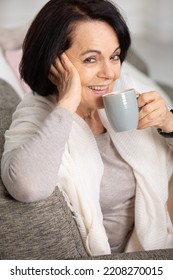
x,y
50,34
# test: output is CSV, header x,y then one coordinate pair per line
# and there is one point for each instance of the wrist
x,y
167,130
69,106
168,127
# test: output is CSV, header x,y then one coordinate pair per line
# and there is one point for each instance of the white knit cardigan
x,y
81,171
80,176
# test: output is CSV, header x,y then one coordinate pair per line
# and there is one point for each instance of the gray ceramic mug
x,y
122,109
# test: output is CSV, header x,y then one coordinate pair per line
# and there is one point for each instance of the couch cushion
x,y
39,230
8,96
134,59
5,120
13,57
162,254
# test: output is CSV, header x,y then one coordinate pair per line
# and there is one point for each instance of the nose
x,y
108,70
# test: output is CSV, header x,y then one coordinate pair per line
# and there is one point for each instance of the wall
x,y
151,17
150,23
16,12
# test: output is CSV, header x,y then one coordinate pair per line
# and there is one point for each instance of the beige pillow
x,y
12,38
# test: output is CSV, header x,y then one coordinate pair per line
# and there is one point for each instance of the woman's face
x,y
95,53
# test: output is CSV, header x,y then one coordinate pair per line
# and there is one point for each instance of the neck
x,y
86,113
91,117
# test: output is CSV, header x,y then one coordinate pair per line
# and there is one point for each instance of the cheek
x,y
118,70
86,75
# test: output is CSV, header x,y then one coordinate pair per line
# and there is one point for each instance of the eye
x,y
90,60
115,57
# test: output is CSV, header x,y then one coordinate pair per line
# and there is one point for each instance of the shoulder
x,y
37,101
33,108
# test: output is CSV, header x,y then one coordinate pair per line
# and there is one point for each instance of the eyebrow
x,y
97,51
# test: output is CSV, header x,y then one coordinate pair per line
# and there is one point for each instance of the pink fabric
x,y
13,58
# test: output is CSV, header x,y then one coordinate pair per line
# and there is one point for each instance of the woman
x,y
116,184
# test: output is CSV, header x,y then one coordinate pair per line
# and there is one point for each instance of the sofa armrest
x,y
162,254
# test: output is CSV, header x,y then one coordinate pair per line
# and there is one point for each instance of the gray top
x,y
117,194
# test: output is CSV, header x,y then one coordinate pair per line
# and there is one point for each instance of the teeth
x,y
97,87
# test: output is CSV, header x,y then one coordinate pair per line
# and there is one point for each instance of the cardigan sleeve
x,y
30,170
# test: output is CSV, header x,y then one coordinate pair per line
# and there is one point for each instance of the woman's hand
x,y
64,75
154,112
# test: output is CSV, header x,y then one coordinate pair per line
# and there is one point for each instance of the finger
x,y
147,97
149,117
158,104
53,75
155,118
68,65
148,108
53,70
52,78
58,65
56,71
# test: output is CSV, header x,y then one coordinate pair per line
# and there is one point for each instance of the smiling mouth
x,y
99,89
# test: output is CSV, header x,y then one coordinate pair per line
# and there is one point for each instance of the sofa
x,y
46,229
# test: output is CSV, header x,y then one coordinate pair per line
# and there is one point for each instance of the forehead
x,y
94,35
